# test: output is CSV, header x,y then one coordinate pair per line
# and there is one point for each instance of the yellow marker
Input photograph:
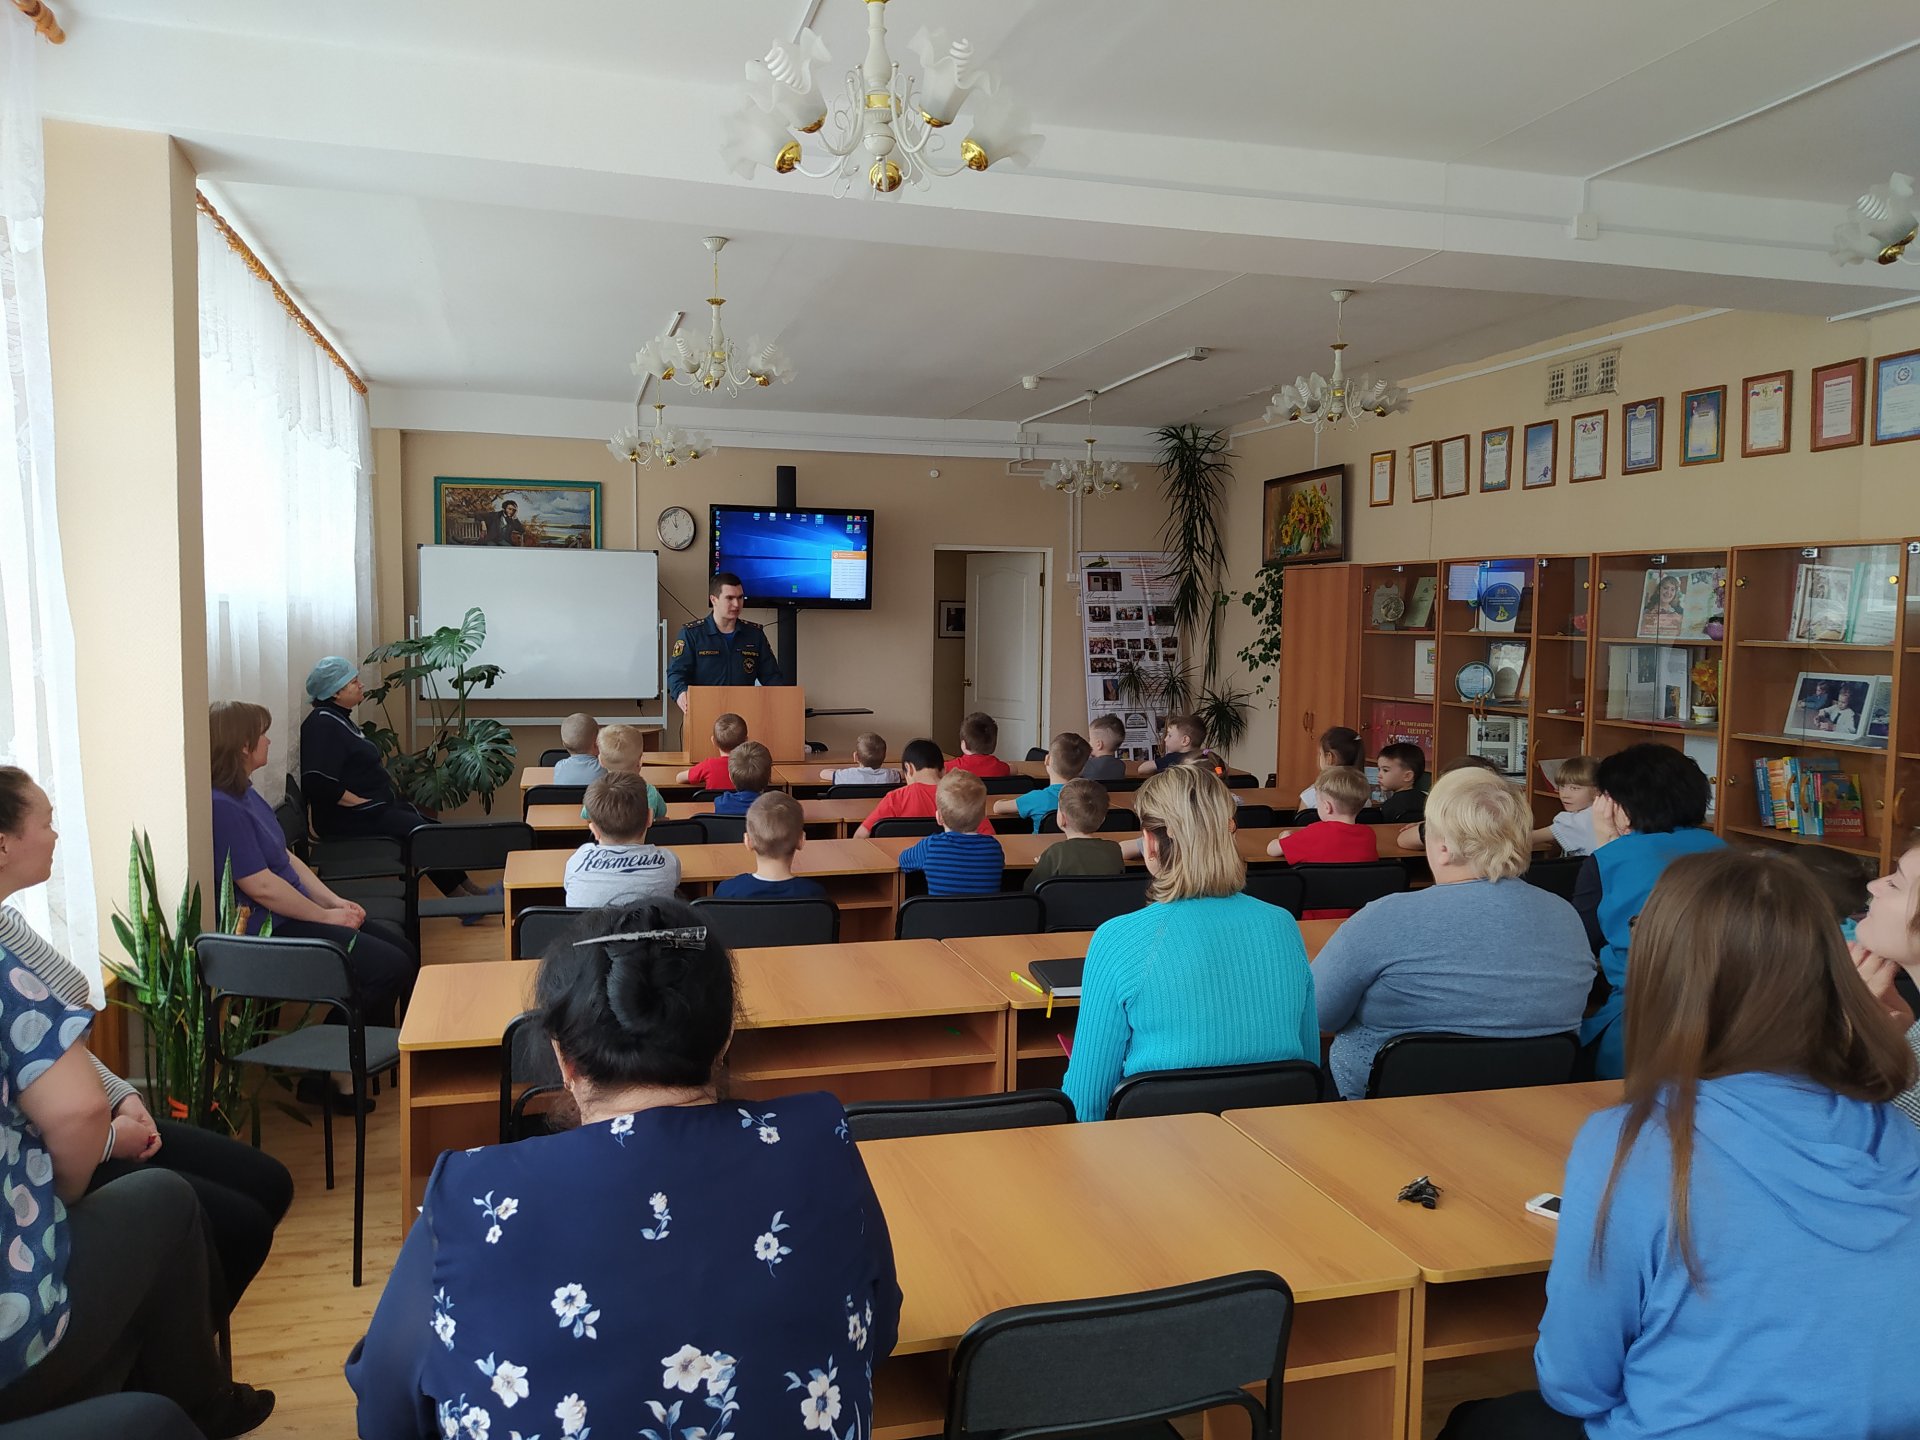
x,y
1023,980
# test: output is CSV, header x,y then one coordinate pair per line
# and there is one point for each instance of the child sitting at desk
x,y
1106,735
1066,757
959,860
1183,740
1333,839
871,751
617,866
914,800
1340,747
776,829
729,730
580,733
979,734
1572,828
749,768
622,752
1083,810
1402,767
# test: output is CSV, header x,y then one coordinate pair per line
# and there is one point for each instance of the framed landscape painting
x,y
1305,517
536,514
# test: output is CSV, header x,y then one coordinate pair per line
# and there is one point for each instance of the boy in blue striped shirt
x,y
959,860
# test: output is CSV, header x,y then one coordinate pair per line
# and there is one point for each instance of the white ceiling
x,y
482,198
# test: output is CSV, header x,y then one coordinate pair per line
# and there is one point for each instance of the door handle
x,y
967,680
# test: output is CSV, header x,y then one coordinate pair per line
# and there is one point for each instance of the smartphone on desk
x,y
1547,1205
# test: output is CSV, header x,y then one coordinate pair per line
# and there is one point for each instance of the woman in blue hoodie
x,y
1734,1237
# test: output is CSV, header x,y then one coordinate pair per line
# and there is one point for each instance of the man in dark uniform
x,y
722,649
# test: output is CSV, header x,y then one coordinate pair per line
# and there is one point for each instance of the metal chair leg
x,y
359,1167
326,1125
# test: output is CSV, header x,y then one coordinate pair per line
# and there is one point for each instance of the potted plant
x,y
1194,479
464,755
1706,691
1261,655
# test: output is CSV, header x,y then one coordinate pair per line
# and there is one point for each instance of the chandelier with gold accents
x,y
721,363
662,445
1320,400
1089,476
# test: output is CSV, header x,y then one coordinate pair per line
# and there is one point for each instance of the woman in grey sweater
x,y
1480,953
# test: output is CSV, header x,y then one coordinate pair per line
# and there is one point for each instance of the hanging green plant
x,y
1261,655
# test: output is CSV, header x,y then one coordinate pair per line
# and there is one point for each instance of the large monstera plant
x,y
464,755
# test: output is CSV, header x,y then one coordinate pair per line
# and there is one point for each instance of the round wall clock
x,y
676,527
1474,680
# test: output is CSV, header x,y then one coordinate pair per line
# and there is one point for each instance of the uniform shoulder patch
x,y
679,648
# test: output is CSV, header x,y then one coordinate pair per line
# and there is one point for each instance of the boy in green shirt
x,y
1083,810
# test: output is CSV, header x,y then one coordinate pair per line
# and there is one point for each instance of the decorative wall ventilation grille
x,y
1583,376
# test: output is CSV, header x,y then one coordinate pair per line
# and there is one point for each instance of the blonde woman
x,y
1203,974
1481,952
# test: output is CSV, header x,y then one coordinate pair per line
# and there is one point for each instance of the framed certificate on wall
x,y
1896,398
1589,460
1420,466
1454,479
1642,435
1766,414
1496,459
1380,483
1839,404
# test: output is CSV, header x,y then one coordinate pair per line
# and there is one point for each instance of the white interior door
x,y
1005,620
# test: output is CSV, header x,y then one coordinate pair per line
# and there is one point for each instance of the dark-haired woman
x,y
1649,809
677,1263
1738,1240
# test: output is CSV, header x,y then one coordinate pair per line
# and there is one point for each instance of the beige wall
x,y
122,300
884,658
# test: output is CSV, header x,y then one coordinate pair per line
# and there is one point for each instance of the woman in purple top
x,y
274,881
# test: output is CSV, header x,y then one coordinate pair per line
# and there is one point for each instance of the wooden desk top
x,y
1062,1212
565,819
1489,1152
458,1007
547,869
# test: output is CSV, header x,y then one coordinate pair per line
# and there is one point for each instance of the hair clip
x,y
692,937
1421,1191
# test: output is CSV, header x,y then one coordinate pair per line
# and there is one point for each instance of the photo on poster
x,y
1103,582
1127,614
1099,614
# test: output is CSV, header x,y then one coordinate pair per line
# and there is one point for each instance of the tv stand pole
x,y
786,484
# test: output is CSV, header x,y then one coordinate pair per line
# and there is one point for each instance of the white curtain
x,y
286,476
39,724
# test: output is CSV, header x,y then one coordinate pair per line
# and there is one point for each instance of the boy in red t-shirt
x,y
1333,839
729,730
914,800
979,734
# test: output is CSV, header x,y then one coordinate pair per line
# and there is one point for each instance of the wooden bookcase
x,y
1903,806
1317,683
1391,704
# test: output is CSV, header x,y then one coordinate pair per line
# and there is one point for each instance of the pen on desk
x,y
1023,980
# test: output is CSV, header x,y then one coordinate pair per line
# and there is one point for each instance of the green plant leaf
x,y
1194,480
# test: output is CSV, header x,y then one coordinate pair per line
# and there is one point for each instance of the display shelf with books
x,y
1903,799
1562,660
1486,659
1811,682
1398,655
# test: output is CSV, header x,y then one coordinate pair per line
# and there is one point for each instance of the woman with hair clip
x,y
1737,1239
1203,974
679,1263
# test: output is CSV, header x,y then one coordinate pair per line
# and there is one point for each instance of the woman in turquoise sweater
x,y
1203,975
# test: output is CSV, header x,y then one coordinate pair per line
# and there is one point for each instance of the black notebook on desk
x,y
1059,978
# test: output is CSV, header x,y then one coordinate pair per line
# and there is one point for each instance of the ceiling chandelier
x,y
668,357
1881,226
1318,401
884,132
662,444
1089,476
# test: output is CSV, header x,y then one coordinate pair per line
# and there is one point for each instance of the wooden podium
x,y
776,716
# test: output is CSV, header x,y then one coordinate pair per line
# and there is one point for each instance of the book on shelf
x,y
1512,675
1649,682
1498,599
1822,602
1426,659
1875,608
1809,796
1419,604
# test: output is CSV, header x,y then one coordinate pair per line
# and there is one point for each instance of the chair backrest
x,y
467,844
1122,1362
1445,1064
537,927
746,924
1348,887
551,758
858,792
1014,1110
950,917
706,796
722,829
1283,888
1036,753
1123,787
1242,781
274,968
676,832
1011,784
902,825
1255,817
1215,1088
1556,876
293,827
1369,815
528,1074
552,795
1085,902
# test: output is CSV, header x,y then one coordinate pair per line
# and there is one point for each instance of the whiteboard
x,y
562,624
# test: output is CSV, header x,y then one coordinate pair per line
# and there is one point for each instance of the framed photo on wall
x,y
1380,477
1304,517
1540,455
1766,414
1839,404
1896,398
1703,416
1496,459
953,619
1643,436
1589,458
1420,466
535,514
1455,478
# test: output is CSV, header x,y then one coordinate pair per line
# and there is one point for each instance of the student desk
x,y
903,1019
1037,1042
1482,1257
661,777
991,1219
560,825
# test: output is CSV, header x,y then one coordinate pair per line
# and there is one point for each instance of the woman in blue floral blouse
x,y
679,1267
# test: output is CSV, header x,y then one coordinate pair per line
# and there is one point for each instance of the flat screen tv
x,y
812,559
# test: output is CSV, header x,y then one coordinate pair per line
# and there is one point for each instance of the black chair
x,y
901,825
314,972
528,1075
1011,784
1440,1063
1085,902
706,797
1118,819
1283,888
859,792
551,758
1348,887
676,832
1124,1364
1123,787
1036,753
574,795
1556,876
1254,817
951,917
1015,1110
538,927
722,829
1369,815
1209,1090
459,845
744,924
1240,780
365,856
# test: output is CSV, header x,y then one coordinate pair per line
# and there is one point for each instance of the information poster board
x,y
1128,641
